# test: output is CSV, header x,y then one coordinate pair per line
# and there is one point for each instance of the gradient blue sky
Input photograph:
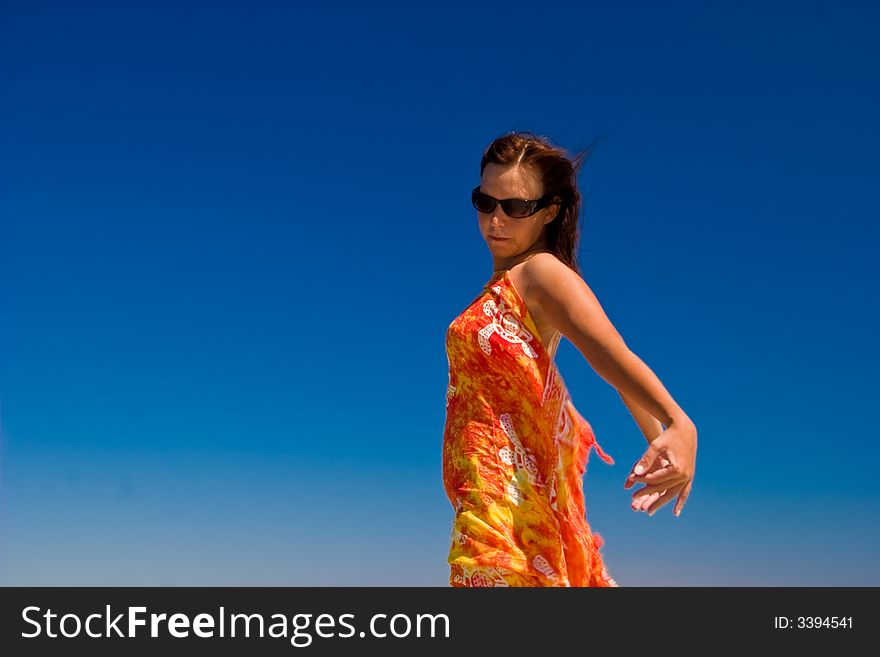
x,y
234,234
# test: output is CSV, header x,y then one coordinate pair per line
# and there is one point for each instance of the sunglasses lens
x,y
516,208
482,202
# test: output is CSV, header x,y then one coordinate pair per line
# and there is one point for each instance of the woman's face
x,y
518,235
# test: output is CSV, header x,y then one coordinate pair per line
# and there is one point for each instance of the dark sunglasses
x,y
518,208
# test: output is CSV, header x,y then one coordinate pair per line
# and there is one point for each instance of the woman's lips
x,y
498,239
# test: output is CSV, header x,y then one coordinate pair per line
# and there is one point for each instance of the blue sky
x,y
234,234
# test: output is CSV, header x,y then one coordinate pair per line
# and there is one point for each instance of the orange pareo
x,y
515,450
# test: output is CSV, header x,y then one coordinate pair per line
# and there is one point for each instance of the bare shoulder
x,y
547,276
568,304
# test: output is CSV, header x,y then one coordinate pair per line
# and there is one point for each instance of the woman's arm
x,y
567,302
649,425
667,465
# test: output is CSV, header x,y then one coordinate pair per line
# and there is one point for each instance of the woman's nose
x,y
498,215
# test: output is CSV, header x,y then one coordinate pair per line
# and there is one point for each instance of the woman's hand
x,y
667,468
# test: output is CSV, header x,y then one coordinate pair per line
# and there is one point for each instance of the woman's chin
x,y
498,246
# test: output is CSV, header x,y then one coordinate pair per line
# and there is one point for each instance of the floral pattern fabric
x,y
515,450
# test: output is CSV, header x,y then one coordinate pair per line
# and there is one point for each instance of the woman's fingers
x,y
667,474
664,479
659,473
682,498
639,501
655,496
652,488
664,498
660,480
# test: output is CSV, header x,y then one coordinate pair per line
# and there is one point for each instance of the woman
x,y
514,446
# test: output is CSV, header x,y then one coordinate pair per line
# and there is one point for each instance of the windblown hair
x,y
558,172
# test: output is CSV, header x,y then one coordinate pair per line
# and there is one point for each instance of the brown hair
x,y
558,172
